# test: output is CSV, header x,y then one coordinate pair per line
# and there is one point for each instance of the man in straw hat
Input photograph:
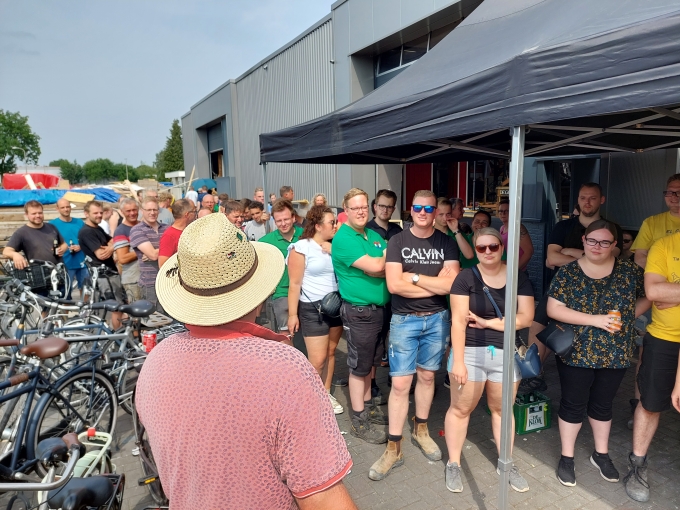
x,y
252,427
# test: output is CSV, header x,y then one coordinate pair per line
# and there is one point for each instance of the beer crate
x,y
533,412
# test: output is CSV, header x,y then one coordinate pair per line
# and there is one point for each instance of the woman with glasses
x,y
476,360
526,246
311,274
605,295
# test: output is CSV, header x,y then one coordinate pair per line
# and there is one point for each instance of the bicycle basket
x,y
36,276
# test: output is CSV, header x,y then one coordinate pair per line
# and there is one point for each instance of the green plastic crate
x,y
531,416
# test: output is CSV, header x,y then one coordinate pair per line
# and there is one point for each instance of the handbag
x,y
560,337
329,305
530,362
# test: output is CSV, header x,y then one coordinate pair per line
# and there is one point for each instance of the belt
x,y
372,307
418,314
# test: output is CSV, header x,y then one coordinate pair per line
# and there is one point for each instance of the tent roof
x,y
565,69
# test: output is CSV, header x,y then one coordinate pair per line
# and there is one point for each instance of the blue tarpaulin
x,y
17,198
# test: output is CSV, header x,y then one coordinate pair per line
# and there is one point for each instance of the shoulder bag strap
x,y
487,292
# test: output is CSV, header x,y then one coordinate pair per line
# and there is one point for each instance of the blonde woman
x,y
475,364
320,199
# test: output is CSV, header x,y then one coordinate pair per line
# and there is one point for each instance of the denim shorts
x,y
418,342
484,364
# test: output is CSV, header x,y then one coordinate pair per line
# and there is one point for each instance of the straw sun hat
x,y
217,275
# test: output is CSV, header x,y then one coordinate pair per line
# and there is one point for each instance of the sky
x,y
105,79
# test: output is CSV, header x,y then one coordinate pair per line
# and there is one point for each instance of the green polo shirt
x,y
355,286
276,239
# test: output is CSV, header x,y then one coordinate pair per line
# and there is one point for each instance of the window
x,y
414,50
389,60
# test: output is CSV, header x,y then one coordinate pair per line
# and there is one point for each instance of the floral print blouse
x,y
599,348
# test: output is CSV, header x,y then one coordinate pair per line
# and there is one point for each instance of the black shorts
x,y
313,323
363,326
658,370
541,313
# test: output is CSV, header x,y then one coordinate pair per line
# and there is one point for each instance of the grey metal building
x,y
359,46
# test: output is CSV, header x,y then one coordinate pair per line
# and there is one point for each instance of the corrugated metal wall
x,y
296,86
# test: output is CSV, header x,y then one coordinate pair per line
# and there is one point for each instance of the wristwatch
x,y
415,279
455,233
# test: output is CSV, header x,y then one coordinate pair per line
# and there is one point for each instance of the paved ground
x,y
419,483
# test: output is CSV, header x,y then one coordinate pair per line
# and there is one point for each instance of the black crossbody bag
x,y
560,337
530,363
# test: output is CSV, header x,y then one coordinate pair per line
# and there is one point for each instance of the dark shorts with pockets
x,y
658,370
363,327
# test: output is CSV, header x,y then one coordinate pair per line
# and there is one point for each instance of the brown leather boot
x,y
421,438
393,457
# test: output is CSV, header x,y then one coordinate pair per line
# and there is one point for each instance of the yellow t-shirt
x,y
664,259
654,228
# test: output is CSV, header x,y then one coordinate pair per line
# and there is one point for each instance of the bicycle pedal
x,y
147,480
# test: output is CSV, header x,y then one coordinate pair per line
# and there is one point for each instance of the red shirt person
x,y
269,436
184,213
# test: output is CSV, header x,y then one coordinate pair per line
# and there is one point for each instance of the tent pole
x,y
507,430
264,184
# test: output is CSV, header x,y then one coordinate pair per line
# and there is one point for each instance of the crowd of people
x,y
409,298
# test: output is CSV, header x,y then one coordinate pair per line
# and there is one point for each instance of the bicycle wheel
x,y
128,383
79,400
146,459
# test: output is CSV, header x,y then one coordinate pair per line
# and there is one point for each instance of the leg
x,y
463,402
644,428
397,406
403,348
358,394
424,392
435,337
494,397
605,386
575,383
317,353
333,340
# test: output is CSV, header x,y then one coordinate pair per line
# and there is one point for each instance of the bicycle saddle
x,y
109,305
140,308
81,493
45,347
55,449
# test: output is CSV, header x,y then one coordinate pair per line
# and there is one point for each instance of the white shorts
x,y
485,364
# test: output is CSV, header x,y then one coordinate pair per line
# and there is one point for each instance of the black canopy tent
x,y
516,78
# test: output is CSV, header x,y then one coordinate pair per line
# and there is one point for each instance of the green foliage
x,y
104,170
171,158
146,172
15,132
73,172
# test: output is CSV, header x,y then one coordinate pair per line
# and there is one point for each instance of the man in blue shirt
x,y
73,258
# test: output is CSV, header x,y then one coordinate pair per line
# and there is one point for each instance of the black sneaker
x,y
602,462
637,486
376,415
447,381
362,428
566,473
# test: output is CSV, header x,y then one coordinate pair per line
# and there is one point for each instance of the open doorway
x,y
216,166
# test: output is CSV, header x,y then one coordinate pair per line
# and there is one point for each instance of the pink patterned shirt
x,y
237,420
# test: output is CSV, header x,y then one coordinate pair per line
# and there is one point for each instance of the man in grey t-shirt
x,y
257,227
127,257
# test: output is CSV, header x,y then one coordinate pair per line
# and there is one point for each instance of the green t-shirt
x,y
355,286
276,239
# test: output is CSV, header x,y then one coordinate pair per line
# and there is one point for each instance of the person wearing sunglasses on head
x,y
420,267
311,278
475,364
600,297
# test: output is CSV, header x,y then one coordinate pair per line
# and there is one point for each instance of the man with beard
x,y
566,245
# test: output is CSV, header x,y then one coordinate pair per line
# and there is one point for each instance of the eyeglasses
x,y
429,209
493,248
604,244
332,223
626,241
385,207
503,211
669,194
357,209
151,210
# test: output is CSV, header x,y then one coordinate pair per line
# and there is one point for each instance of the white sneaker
x,y
337,407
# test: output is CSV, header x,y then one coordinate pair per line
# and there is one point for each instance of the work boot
x,y
391,458
378,397
375,414
361,428
421,438
635,481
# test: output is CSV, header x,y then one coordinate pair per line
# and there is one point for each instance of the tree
x,y
146,172
73,172
15,132
171,158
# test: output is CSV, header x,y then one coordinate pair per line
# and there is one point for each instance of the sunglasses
x,y
429,209
493,248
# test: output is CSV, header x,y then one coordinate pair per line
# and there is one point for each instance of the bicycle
x,y
82,397
70,491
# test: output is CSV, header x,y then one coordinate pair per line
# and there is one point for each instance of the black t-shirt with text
x,y
467,284
91,239
37,243
420,256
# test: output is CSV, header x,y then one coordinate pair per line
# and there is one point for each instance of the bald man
x,y
207,205
73,258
